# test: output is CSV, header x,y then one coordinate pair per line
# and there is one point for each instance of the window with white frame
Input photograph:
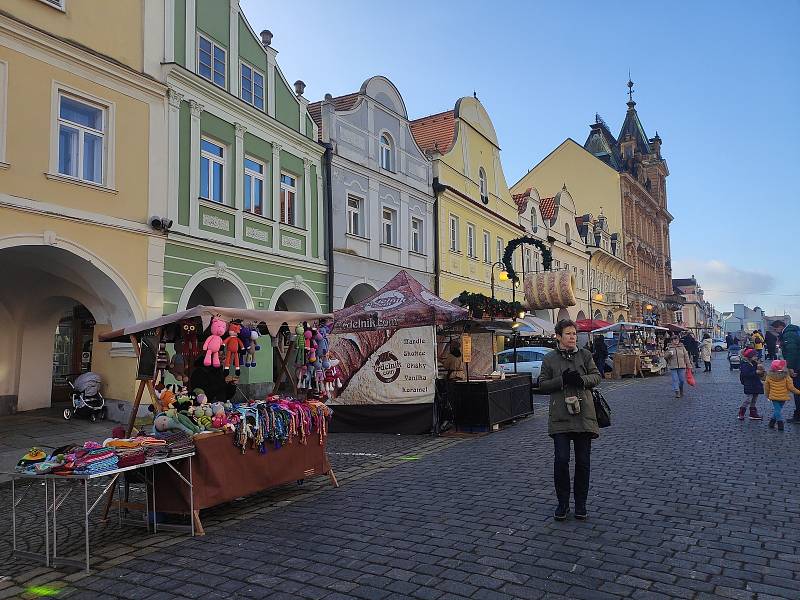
x,y
417,244
583,279
534,220
389,226
558,265
212,171
254,186
536,262
487,247
471,241
454,234
528,260
354,215
211,61
484,188
566,266
288,199
81,138
387,152
678,316
500,248
252,86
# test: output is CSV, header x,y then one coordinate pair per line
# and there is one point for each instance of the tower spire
x,y
631,103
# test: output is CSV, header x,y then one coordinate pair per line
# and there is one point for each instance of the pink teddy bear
x,y
214,342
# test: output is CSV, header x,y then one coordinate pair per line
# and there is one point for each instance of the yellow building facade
x,y
82,170
476,214
595,206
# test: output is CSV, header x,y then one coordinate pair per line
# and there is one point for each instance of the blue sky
x,y
719,81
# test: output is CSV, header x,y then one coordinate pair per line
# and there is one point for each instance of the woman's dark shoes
x,y
580,513
561,512
772,423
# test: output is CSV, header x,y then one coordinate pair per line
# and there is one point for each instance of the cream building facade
x,y
82,169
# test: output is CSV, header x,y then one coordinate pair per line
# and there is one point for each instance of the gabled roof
x,y
547,206
341,103
435,132
521,200
633,127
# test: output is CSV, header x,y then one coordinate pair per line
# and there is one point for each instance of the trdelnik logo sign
x,y
387,367
386,301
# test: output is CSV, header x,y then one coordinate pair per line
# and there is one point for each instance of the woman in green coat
x,y
569,373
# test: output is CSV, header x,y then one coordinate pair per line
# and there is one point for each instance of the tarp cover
x,y
402,302
591,324
272,318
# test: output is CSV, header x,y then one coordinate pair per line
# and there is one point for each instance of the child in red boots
x,y
750,374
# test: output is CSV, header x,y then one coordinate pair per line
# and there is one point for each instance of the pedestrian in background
x,y
692,347
777,386
678,360
758,344
771,343
789,337
751,372
568,374
705,352
600,354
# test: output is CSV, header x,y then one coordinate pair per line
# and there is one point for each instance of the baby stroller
x,y
87,401
734,358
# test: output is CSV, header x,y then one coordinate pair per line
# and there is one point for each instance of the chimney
x,y
266,37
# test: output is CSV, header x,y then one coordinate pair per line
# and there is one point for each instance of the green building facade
x,y
245,173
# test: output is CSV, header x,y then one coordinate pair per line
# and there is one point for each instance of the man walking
x,y
771,342
789,336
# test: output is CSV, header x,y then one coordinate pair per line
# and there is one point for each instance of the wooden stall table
x,y
627,364
486,403
221,473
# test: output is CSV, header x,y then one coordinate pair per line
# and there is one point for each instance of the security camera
x,y
160,223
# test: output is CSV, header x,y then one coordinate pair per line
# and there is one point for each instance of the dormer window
x,y
534,219
386,152
484,189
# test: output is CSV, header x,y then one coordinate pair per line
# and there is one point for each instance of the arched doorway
x,y
62,295
563,313
581,316
216,292
359,293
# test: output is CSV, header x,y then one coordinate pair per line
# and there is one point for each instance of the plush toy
x,y
233,345
165,397
200,398
184,420
190,347
334,374
164,422
252,348
162,359
307,335
213,342
177,368
300,351
183,403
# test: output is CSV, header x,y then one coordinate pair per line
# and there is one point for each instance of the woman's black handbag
x,y
601,409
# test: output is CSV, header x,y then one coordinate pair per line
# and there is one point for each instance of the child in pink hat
x,y
777,386
750,375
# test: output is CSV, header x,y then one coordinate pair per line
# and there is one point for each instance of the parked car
x,y
719,345
529,360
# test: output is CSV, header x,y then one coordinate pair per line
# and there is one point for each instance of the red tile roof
x,y
342,103
435,132
547,206
522,200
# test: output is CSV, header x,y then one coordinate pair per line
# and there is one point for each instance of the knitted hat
x,y
749,353
778,365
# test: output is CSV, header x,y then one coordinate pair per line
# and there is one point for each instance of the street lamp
x,y
598,297
503,277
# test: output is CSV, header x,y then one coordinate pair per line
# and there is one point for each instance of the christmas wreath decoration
x,y
547,255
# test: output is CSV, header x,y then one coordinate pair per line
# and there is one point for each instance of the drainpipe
x,y
327,190
437,189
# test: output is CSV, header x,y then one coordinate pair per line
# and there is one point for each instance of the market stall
x,y
386,348
242,445
638,348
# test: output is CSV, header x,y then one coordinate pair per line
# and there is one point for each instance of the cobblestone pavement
x,y
686,502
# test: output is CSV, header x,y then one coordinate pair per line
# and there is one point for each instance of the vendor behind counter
x,y
452,365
